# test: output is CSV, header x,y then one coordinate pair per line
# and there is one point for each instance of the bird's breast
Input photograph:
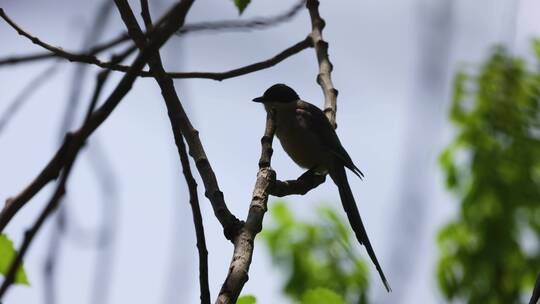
x,y
302,146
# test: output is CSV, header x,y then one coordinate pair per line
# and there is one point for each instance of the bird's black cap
x,y
278,93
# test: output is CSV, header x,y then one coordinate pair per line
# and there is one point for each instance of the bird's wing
x,y
314,119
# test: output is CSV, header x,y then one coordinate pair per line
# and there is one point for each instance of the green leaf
x,y
321,296
241,5
247,299
7,254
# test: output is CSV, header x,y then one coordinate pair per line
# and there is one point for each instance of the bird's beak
x,y
259,99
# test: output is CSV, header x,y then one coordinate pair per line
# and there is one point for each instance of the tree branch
x,y
325,66
175,17
193,196
89,58
257,23
261,65
181,126
198,223
216,26
244,241
74,143
305,183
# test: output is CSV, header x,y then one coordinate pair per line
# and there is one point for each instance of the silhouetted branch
x,y
257,23
261,65
325,66
73,142
305,183
244,241
193,196
25,94
49,55
175,18
91,59
181,126
59,52
199,228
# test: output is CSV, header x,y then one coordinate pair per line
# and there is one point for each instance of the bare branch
x,y
198,222
305,183
27,58
244,241
25,94
176,17
325,66
73,143
261,65
257,23
216,26
193,196
59,52
91,59
181,126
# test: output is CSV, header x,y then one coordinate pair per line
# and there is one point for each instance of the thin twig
x,y
175,17
26,58
25,94
73,143
89,58
261,65
199,227
74,57
244,241
181,126
257,23
325,66
193,195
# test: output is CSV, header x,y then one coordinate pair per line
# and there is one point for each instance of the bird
x,y
310,140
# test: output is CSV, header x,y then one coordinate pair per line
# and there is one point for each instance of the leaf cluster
x,y
490,252
317,257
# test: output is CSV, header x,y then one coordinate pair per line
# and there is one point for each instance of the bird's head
x,y
277,96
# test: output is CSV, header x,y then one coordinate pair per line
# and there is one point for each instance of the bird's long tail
x,y
347,199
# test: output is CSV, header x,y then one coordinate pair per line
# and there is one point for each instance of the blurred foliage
x,y
318,257
241,5
7,254
321,296
247,299
490,253
318,295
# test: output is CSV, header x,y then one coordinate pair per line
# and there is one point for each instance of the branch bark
x,y
244,241
325,66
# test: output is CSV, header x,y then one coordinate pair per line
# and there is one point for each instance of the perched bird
x,y
310,140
